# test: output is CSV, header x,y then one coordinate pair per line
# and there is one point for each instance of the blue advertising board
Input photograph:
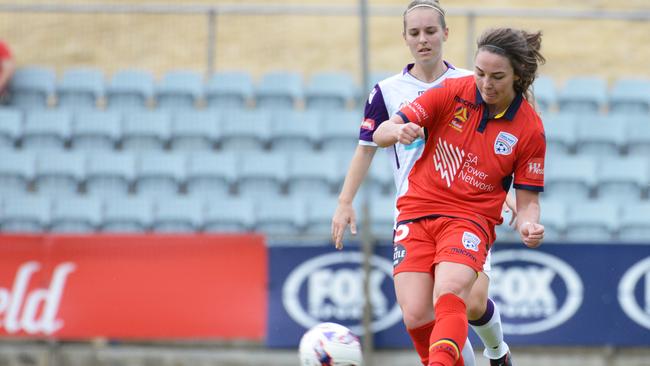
x,y
564,294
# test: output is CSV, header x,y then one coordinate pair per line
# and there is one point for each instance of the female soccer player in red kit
x,y
481,131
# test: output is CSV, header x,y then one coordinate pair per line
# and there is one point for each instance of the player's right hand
x,y
343,216
409,132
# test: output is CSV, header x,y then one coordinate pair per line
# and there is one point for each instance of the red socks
x,y
420,337
450,332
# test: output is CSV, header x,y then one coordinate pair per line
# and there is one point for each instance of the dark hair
x,y
432,4
520,47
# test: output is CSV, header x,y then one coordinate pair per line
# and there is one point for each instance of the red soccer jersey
x,y
5,52
469,159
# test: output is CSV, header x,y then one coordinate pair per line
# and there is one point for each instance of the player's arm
x,y
344,214
395,130
528,212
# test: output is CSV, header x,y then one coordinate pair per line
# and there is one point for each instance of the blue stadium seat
x,y
637,137
179,89
160,174
229,89
16,172
59,173
280,217
601,135
32,87
127,215
380,180
47,130
146,131
80,88
561,133
195,131
545,94
295,130
594,221
553,217
374,78
630,96
506,233
382,216
570,178
634,223
178,215
11,127
279,90
330,91
622,179
262,175
130,90
76,214
340,131
312,174
210,174
319,216
587,95
244,130
109,174
25,214
229,214
96,130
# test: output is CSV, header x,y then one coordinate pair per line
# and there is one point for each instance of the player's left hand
x,y
532,234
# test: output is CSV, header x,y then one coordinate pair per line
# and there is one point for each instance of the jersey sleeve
x,y
5,52
374,114
425,109
529,166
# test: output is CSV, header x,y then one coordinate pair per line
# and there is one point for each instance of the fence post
x,y
211,42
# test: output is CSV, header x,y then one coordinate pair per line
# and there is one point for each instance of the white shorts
x,y
487,267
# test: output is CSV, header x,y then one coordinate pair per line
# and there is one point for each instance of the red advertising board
x,y
133,286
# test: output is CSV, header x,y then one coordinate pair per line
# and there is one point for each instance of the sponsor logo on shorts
x,y
463,252
399,253
634,293
504,143
471,241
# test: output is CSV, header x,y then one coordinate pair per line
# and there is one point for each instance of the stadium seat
x,y
211,175
295,130
280,217
382,216
635,226
96,130
630,96
638,135
59,173
245,130
178,215
586,95
374,78
330,91
46,130
11,127
32,87
622,179
179,89
80,88
262,175
318,222
16,172
545,94
130,90
109,174
195,131
127,215
160,174
553,217
380,180
76,214
594,221
506,233
340,131
228,90
561,132
601,135
279,90
229,214
146,131
25,214
312,174
570,178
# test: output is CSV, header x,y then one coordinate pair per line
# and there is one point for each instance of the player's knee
x,y
476,304
450,287
416,315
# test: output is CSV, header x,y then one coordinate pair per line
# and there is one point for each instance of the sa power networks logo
x,y
634,293
535,291
330,288
448,160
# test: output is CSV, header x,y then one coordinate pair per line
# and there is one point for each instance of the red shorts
x,y
418,246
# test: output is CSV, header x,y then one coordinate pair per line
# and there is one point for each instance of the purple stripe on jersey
x,y
489,312
375,111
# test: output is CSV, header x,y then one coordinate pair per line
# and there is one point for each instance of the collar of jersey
x,y
508,114
410,66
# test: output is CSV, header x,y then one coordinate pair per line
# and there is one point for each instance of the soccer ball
x,y
330,344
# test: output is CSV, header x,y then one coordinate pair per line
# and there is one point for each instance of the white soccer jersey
x,y
385,99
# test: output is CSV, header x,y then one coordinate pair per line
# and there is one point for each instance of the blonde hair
x,y
433,4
